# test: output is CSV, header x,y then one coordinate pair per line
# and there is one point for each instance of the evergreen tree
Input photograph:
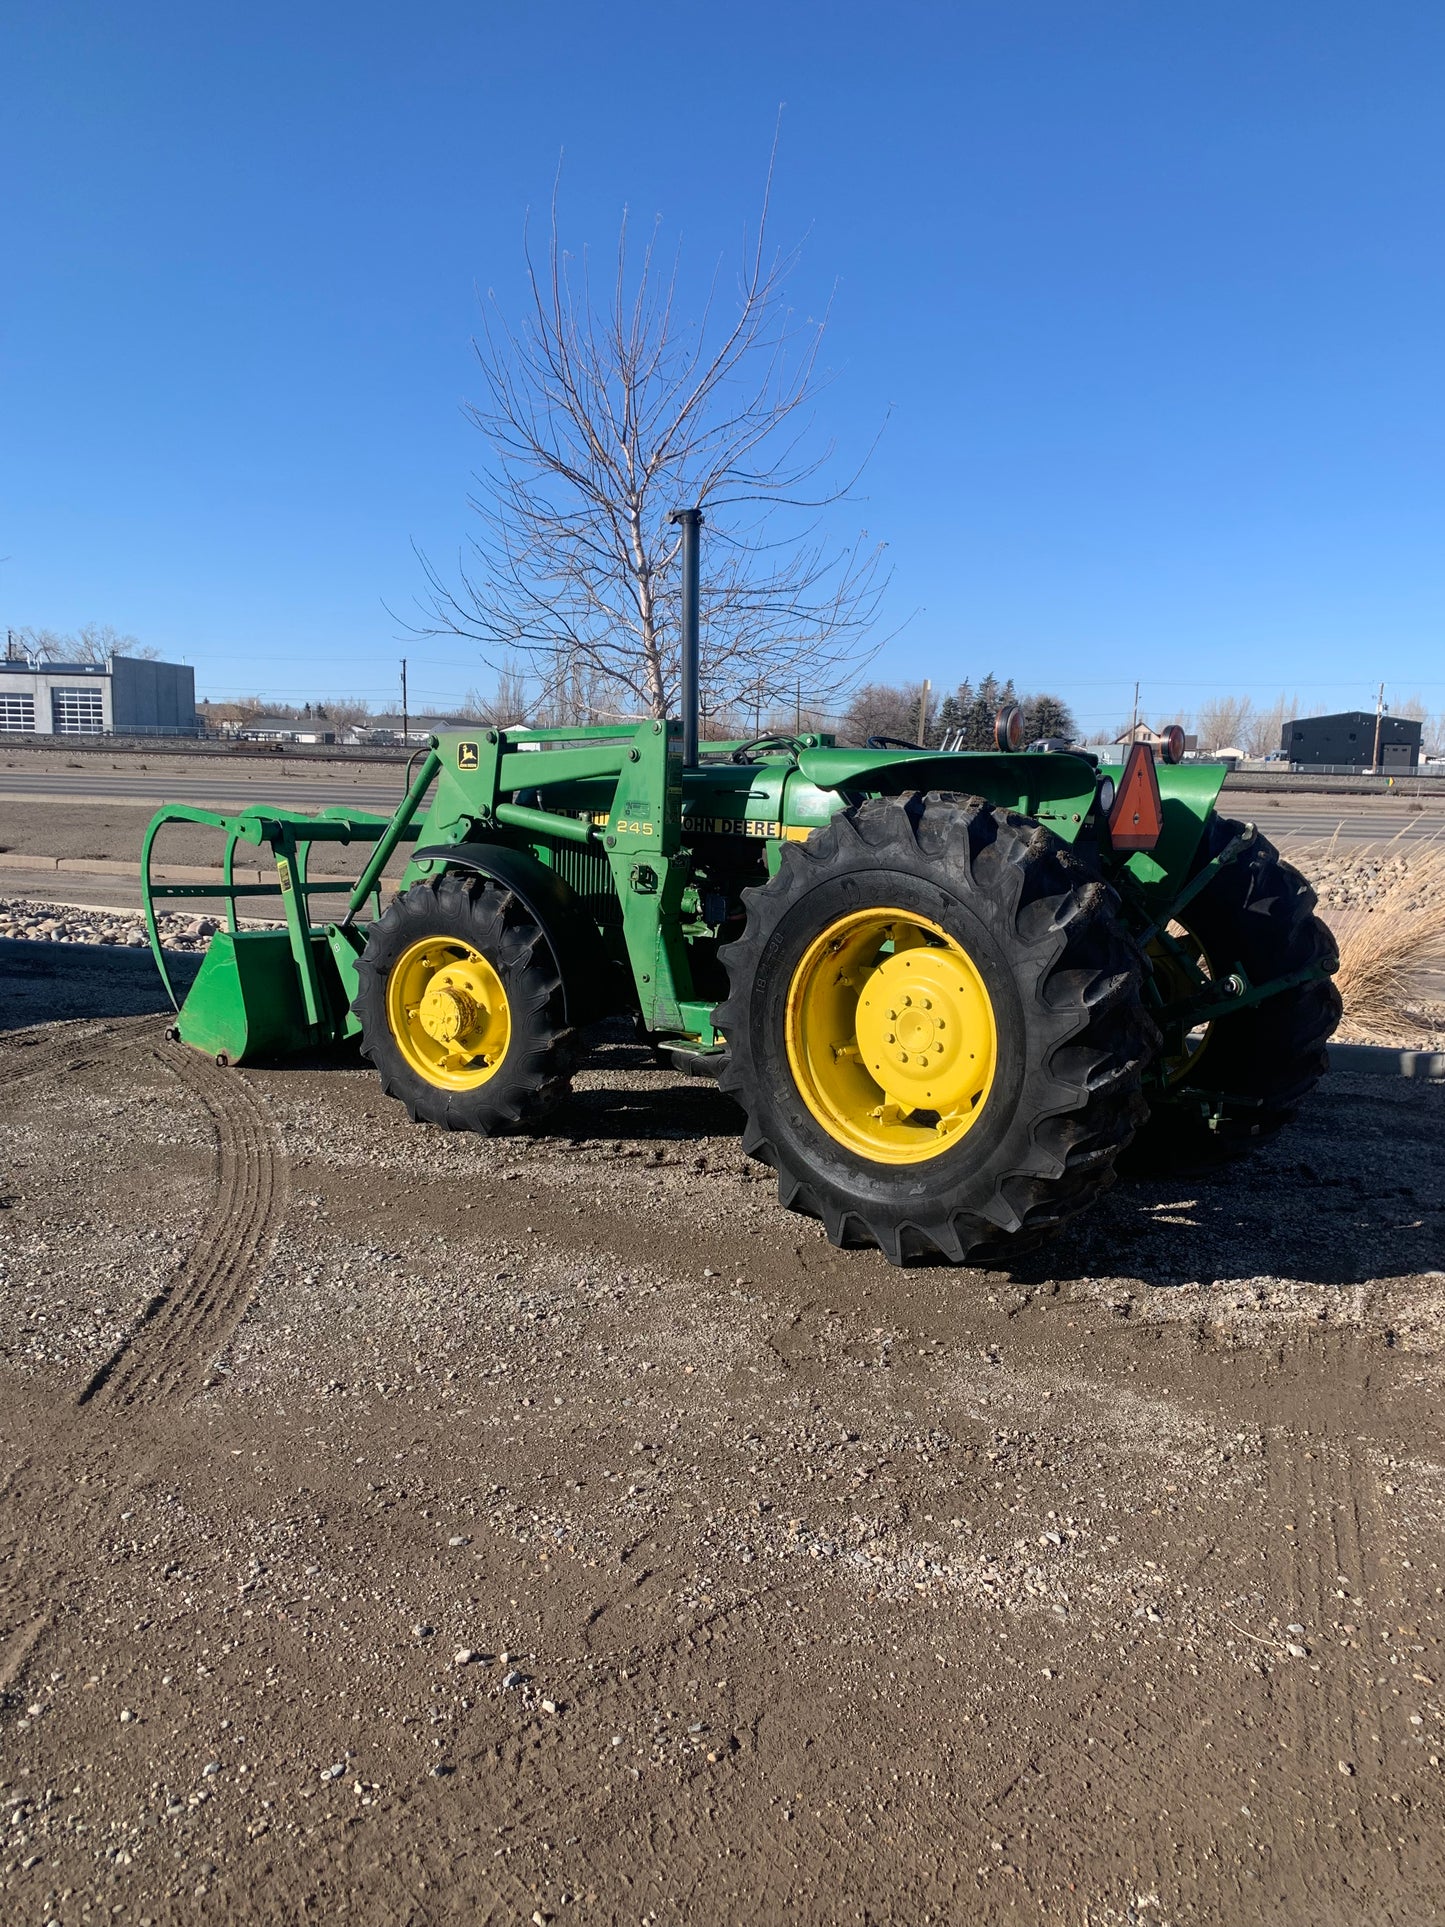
x,y
949,718
989,697
1046,716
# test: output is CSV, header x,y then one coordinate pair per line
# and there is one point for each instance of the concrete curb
x,y
1379,1060
106,866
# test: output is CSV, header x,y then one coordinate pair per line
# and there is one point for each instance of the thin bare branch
x,y
603,409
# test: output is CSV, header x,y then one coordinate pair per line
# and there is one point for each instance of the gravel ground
x,y
28,920
399,1526
1360,877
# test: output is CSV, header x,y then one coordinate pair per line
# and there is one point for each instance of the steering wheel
x,y
893,742
743,752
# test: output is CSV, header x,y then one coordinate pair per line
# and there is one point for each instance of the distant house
x,y
1347,741
278,729
389,732
1142,733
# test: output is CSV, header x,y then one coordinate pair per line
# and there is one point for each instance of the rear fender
x,y
1056,789
1189,793
577,950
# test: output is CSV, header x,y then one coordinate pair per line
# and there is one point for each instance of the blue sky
x,y
1151,295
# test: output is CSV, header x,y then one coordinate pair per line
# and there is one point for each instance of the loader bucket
x,y
273,992
246,1000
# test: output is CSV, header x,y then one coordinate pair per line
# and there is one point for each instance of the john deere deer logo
x,y
466,756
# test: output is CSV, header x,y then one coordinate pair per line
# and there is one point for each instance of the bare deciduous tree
x,y
1224,722
883,709
1265,729
506,704
605,409
93,642
349,712
1432,728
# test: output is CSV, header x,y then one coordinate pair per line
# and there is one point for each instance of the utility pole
x,y
798,707
923,713
405,719
1134,719
1379,725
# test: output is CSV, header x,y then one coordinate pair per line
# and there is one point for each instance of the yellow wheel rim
x,y
448,1011
890,1036
1175,985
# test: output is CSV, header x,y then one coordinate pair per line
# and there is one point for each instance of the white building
x,y
280,729
127,696
389,732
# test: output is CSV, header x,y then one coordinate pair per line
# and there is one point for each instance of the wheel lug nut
x,y
890,1038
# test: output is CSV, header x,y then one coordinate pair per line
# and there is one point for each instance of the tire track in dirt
x,y
79,1047
685,1824
1122,1752
1110,1747
165,1357
1331,1719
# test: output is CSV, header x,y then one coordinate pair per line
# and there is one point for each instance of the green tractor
x,y
948,991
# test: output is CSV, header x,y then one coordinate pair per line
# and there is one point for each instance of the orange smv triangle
x,y
1136,821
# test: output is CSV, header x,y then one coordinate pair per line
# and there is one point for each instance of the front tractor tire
x,y
461,1008
935,1030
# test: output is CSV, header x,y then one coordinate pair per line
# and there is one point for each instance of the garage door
x,y
79,712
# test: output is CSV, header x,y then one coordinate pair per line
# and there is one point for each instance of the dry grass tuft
x,y
1390,941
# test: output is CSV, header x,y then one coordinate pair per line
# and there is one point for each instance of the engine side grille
x,y
588,872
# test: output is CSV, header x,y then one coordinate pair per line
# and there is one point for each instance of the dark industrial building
x,y
1347,742
126,696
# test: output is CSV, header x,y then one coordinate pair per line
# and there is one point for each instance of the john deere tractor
x,y
948,991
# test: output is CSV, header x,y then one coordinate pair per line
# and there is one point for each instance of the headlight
x,y
1106,794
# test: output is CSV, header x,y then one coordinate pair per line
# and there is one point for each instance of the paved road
x,y
232,790
1357,819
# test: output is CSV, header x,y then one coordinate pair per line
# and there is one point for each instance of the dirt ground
x,y
406,1528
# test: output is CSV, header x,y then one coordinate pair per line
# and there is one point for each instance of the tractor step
x,y
694,1060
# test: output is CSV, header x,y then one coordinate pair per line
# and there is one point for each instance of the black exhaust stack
x,y
691,522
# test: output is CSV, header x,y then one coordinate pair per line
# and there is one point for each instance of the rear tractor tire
x,y
1235,1082
935,1029
461,1008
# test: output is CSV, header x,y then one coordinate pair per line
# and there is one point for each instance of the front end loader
x,y
949,991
